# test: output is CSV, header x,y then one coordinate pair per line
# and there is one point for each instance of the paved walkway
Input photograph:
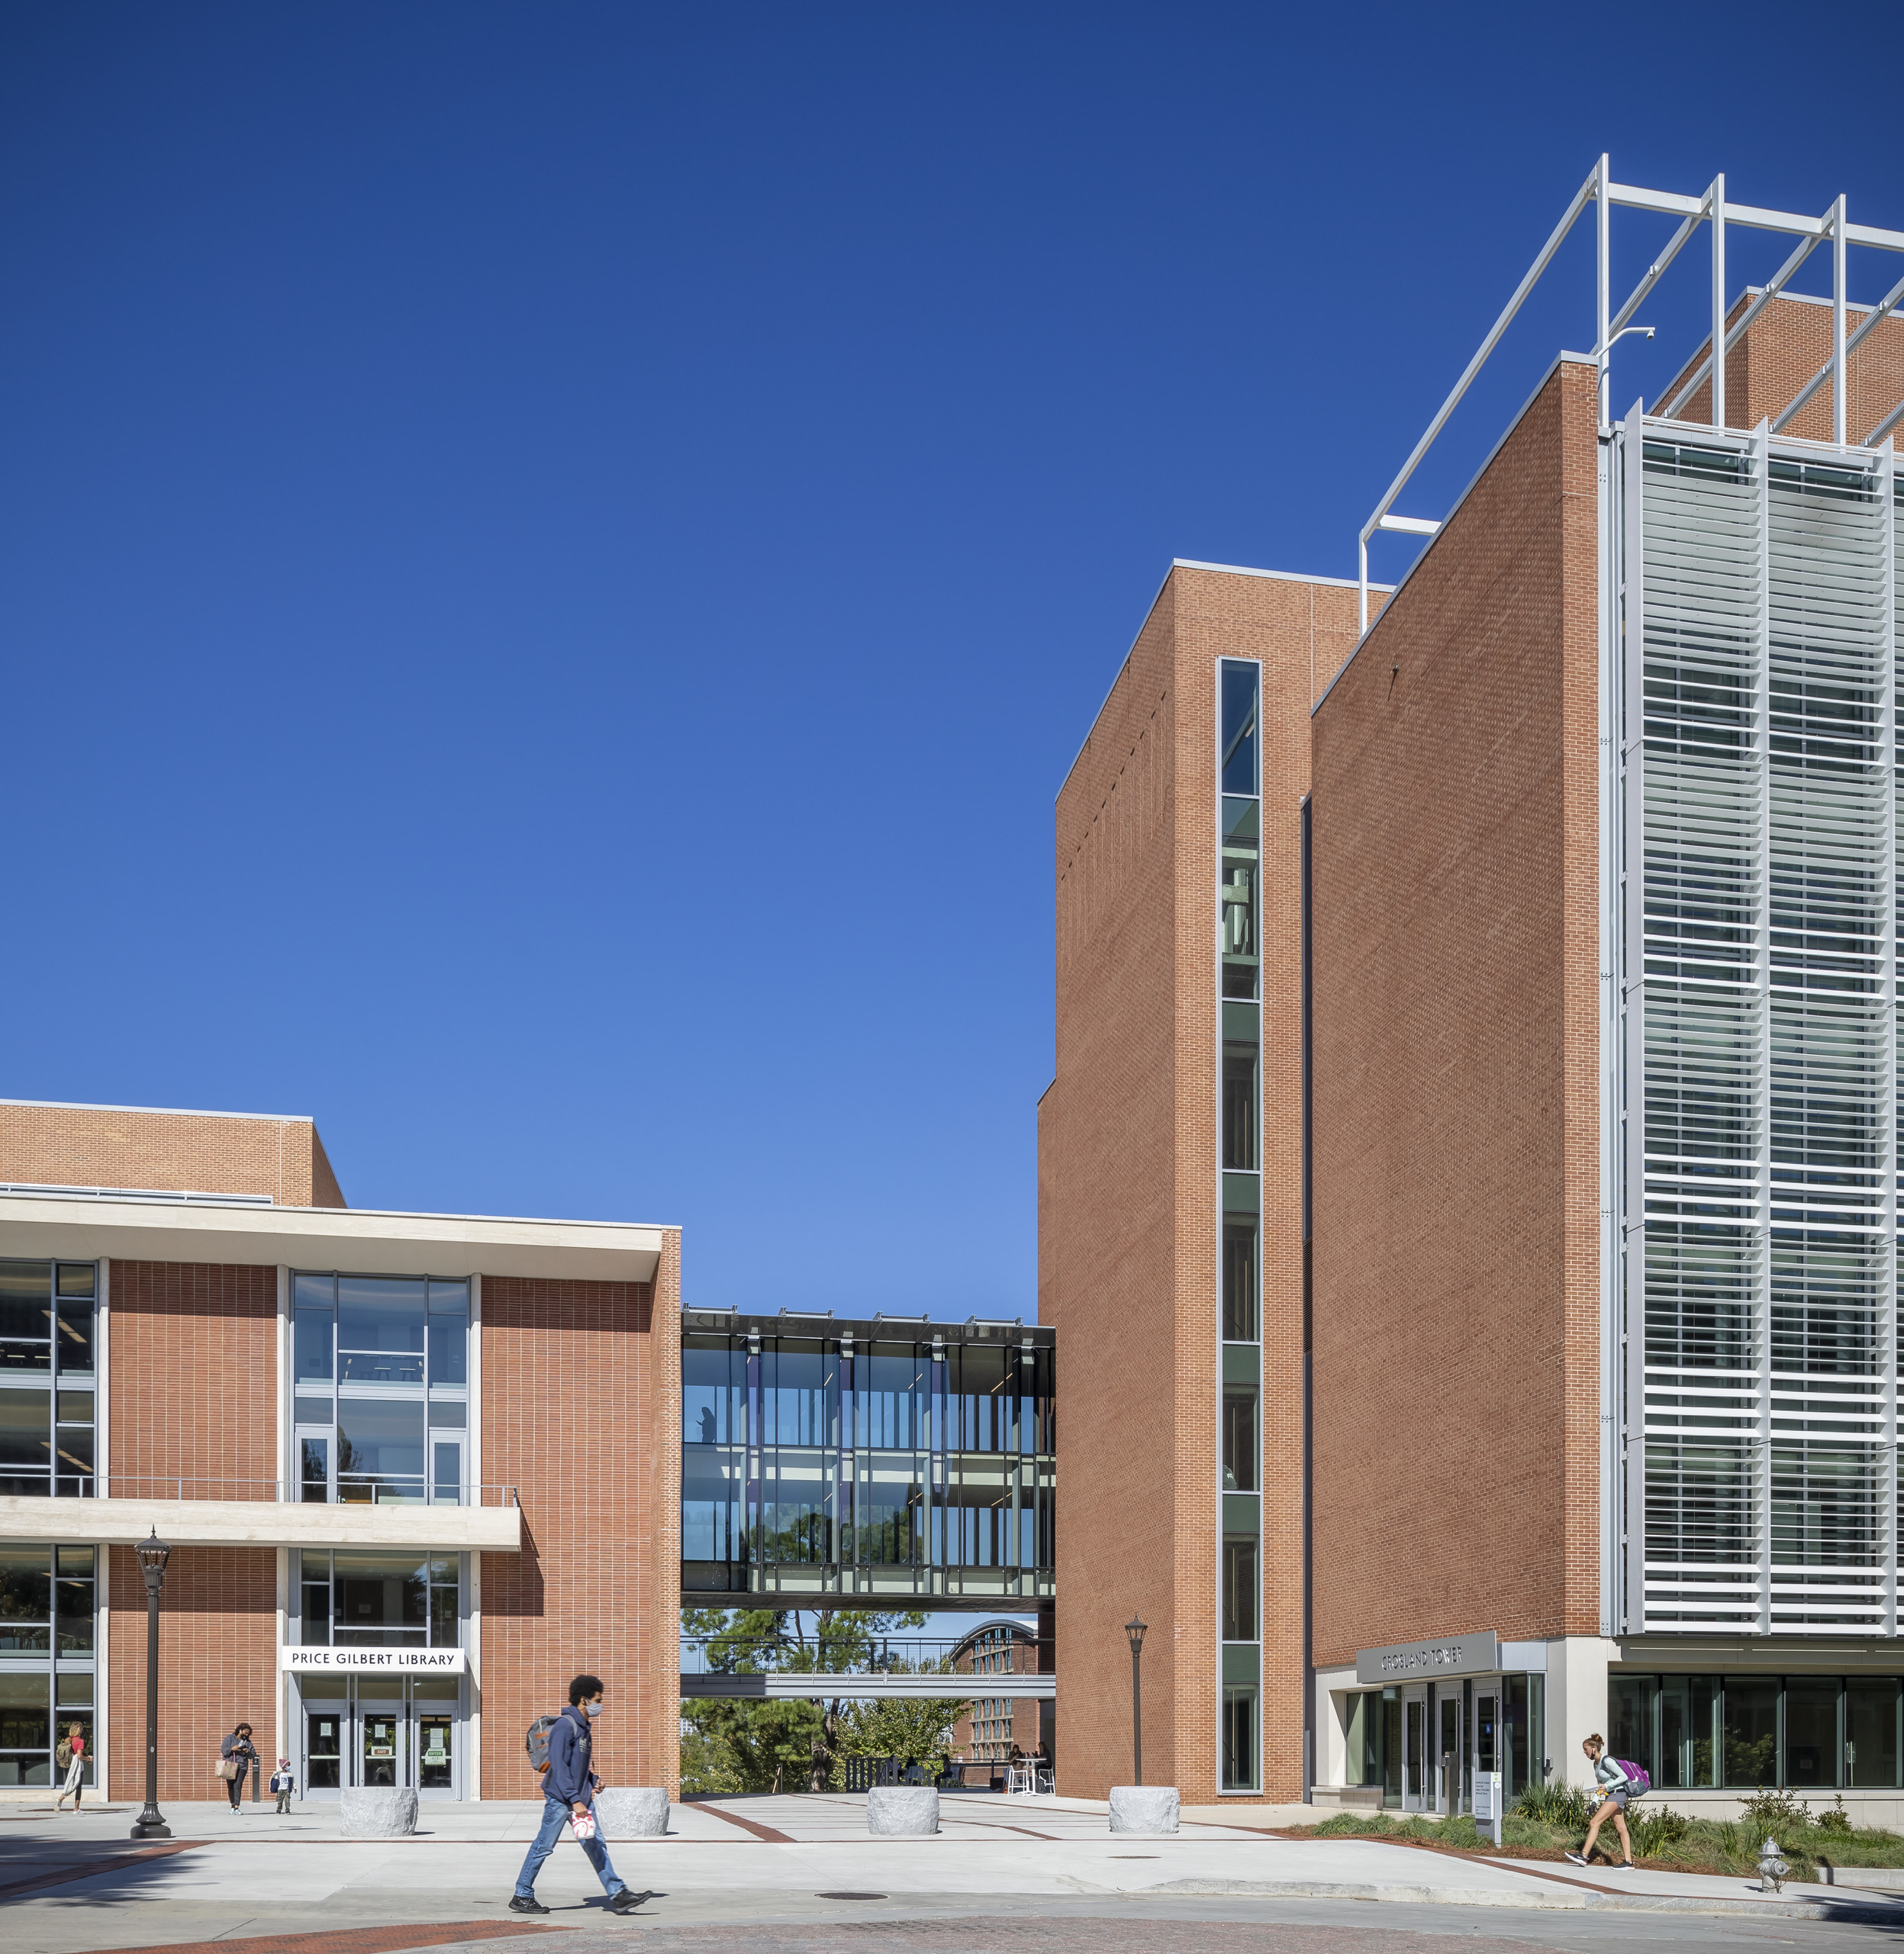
x,y
789,1865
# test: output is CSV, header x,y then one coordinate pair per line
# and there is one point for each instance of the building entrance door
x,y
1416,1780
1449,1749
395,1732
383,1757
1487,1747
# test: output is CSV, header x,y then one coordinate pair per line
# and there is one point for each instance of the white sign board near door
x,y
370,1662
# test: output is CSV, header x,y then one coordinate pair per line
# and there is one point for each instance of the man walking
x,y
570,1787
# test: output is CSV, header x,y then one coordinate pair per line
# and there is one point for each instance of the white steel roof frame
x,y
1713,208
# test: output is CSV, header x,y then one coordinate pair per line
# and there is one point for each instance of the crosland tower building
x,y
1576,1202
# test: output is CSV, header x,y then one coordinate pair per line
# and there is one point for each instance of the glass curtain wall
x,y
1239,1117
861,1464
47,1379
380,1386
1741,1733
47,1660
1767,1065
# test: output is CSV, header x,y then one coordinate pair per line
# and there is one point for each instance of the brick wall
x,y
217,1647
579,1381
1107,1226
126,1147
1129,1189
193,1353
1456,1186
1782,349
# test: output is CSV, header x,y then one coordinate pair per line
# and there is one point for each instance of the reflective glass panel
x,y
1752,1729
1870,1732
1811,1731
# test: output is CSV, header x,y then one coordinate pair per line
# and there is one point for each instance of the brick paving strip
x,y
103,1862
766,1831
357,1939
1041,1934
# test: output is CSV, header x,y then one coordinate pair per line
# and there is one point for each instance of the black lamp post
x,y
1134,1628
152,1555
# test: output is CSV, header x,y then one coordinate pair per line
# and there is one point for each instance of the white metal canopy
x,y
1711,208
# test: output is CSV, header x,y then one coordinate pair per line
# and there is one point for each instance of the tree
x,y
917,1729
762,1747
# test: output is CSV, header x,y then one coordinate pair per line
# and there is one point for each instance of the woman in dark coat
x,y
238,1749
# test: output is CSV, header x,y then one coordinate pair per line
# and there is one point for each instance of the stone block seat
x,y
902,1811
373,1812
632,1811
1146,1810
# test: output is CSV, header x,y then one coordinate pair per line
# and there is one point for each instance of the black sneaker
x,y
517,1904
627,1899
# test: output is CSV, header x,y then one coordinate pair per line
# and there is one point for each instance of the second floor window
x,y
380,1378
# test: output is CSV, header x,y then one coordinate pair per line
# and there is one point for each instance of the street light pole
x,y
1135,1630
152,1555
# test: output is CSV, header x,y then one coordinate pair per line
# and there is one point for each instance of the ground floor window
x,y
1723,1733
46,1662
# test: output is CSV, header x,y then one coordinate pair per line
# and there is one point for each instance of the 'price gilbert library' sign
x,y
389,1661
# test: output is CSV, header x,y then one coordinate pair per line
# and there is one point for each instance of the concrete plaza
x,y
799,1872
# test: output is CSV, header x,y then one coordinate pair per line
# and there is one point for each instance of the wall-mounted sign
x,y
1422,1661
389,1661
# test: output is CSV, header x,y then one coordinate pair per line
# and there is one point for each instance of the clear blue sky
x,y
553,557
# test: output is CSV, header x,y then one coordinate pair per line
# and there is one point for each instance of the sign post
x,y
1488,1803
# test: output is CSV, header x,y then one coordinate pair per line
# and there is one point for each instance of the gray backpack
x,y
536,1742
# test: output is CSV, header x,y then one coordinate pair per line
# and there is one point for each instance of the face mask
x,y
591,1709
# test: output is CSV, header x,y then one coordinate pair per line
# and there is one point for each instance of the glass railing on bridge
x,y
884,1459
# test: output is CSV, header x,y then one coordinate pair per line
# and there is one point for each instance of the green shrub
x,y
1653,1829
1555,1803
1352,1824
1837,1820
1778,1812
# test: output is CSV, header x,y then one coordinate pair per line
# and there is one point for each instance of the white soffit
x,y
357,1239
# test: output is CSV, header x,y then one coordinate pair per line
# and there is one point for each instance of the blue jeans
x,y
554,1817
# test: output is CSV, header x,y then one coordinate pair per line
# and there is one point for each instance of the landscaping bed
x,y
1550,1820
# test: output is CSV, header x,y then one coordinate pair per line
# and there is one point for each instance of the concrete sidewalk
x,y
68,1884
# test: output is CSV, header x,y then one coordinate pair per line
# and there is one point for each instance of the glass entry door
x,y
383,1757
1449,1748
1487,1743
1414,1740
393,1733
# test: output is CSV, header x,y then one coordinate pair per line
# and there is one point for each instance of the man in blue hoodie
x,y
571,1782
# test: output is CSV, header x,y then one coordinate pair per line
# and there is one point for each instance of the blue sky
x,y
552,558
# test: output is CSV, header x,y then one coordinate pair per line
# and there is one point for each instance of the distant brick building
x,y
998,1723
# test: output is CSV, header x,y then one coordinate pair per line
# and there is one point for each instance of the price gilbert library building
x,y
1468,1208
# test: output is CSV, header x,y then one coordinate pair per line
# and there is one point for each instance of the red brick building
x,y
389,1553
1469,1191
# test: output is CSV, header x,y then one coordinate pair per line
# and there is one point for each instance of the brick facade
x,y
1788,341
193,1351
1455,908
1129,1182
136,1146
217,1646
581,1415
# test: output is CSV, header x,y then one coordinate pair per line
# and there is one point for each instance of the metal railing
x,y
848,1655
184,1486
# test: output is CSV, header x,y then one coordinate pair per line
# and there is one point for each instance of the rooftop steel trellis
x,y
1713,209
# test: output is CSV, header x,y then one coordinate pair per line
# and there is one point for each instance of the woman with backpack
x,y
72,1752
1616,1787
